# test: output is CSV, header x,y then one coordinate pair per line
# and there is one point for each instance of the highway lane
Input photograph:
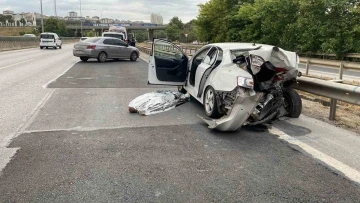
x,y
76,142
331,72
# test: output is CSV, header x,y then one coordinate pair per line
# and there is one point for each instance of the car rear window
x,y
114,35
46,36
93,40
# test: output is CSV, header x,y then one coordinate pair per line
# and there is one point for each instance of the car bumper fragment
x,y
242,108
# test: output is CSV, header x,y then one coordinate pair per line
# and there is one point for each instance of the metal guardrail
x,y
332,90
329,89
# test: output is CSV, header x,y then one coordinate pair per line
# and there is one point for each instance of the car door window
x,y
211,56
167,51
119,43
108,42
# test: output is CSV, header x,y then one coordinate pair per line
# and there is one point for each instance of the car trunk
x,y
82,45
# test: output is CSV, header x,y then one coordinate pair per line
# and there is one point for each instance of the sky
x,y
134,10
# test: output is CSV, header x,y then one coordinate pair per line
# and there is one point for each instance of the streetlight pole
x,y
81,20
42,18
101,11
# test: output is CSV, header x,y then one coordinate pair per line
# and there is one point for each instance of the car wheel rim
x,y
102,56
133,56
209,101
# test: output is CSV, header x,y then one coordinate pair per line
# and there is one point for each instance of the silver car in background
x,y
103,48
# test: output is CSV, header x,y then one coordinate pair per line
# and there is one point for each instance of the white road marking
x,y
15,64
7,153
348,171
45,86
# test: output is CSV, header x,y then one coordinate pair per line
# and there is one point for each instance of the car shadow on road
x,y
107,61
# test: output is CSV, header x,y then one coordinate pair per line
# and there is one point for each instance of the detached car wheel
x,y
102,57
84,59
133,56
210,103
293,103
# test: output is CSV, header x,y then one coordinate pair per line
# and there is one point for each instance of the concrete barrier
x,y
15,43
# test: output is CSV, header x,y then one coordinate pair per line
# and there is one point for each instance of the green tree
x,y
91,33
51,25
23,21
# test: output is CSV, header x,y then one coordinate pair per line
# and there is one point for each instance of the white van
x,y
49,39
115,35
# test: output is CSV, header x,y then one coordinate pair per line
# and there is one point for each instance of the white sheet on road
x,y
157,102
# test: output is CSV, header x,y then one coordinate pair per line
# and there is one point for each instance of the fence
x,y
13,43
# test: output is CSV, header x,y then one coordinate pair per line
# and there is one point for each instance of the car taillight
x,y
91,47
245,82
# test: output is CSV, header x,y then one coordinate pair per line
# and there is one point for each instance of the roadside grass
x,y
14,31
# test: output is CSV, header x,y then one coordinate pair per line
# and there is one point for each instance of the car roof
x,y
113,33
238,45
49,33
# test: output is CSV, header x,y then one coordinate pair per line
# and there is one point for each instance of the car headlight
x,y
245,82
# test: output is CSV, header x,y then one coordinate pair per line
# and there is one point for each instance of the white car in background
x,y
49,39
29,35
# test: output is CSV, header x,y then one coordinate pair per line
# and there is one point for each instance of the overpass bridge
x,y
99,27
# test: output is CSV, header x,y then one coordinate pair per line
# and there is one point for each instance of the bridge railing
x,y
14,43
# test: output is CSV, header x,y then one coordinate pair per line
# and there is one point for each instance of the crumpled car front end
x,y
269,67
239,104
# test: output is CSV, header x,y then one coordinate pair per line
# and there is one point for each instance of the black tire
x,y
293,103
133,56
47,47
55,47
60,47
181,89
84,59
102,57
213,111
41,47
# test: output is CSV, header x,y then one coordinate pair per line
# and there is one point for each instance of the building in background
x,y
156,19
72,14
107,20
95,19
8,12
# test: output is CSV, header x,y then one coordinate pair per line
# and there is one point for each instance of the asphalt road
x,y
331,72
67,136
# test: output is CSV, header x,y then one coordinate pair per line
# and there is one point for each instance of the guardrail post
x,y
333,103
307,67
341,70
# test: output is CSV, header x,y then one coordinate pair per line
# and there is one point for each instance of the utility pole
x,y
55,8
81,20
42,18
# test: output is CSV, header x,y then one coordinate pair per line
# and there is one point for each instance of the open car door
x,y
168,64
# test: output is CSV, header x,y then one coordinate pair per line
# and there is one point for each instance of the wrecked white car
x,y
238,83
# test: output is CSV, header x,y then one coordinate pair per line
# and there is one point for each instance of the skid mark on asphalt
x,y
185,163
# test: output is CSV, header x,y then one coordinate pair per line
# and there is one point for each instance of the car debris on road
x,y
156,102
